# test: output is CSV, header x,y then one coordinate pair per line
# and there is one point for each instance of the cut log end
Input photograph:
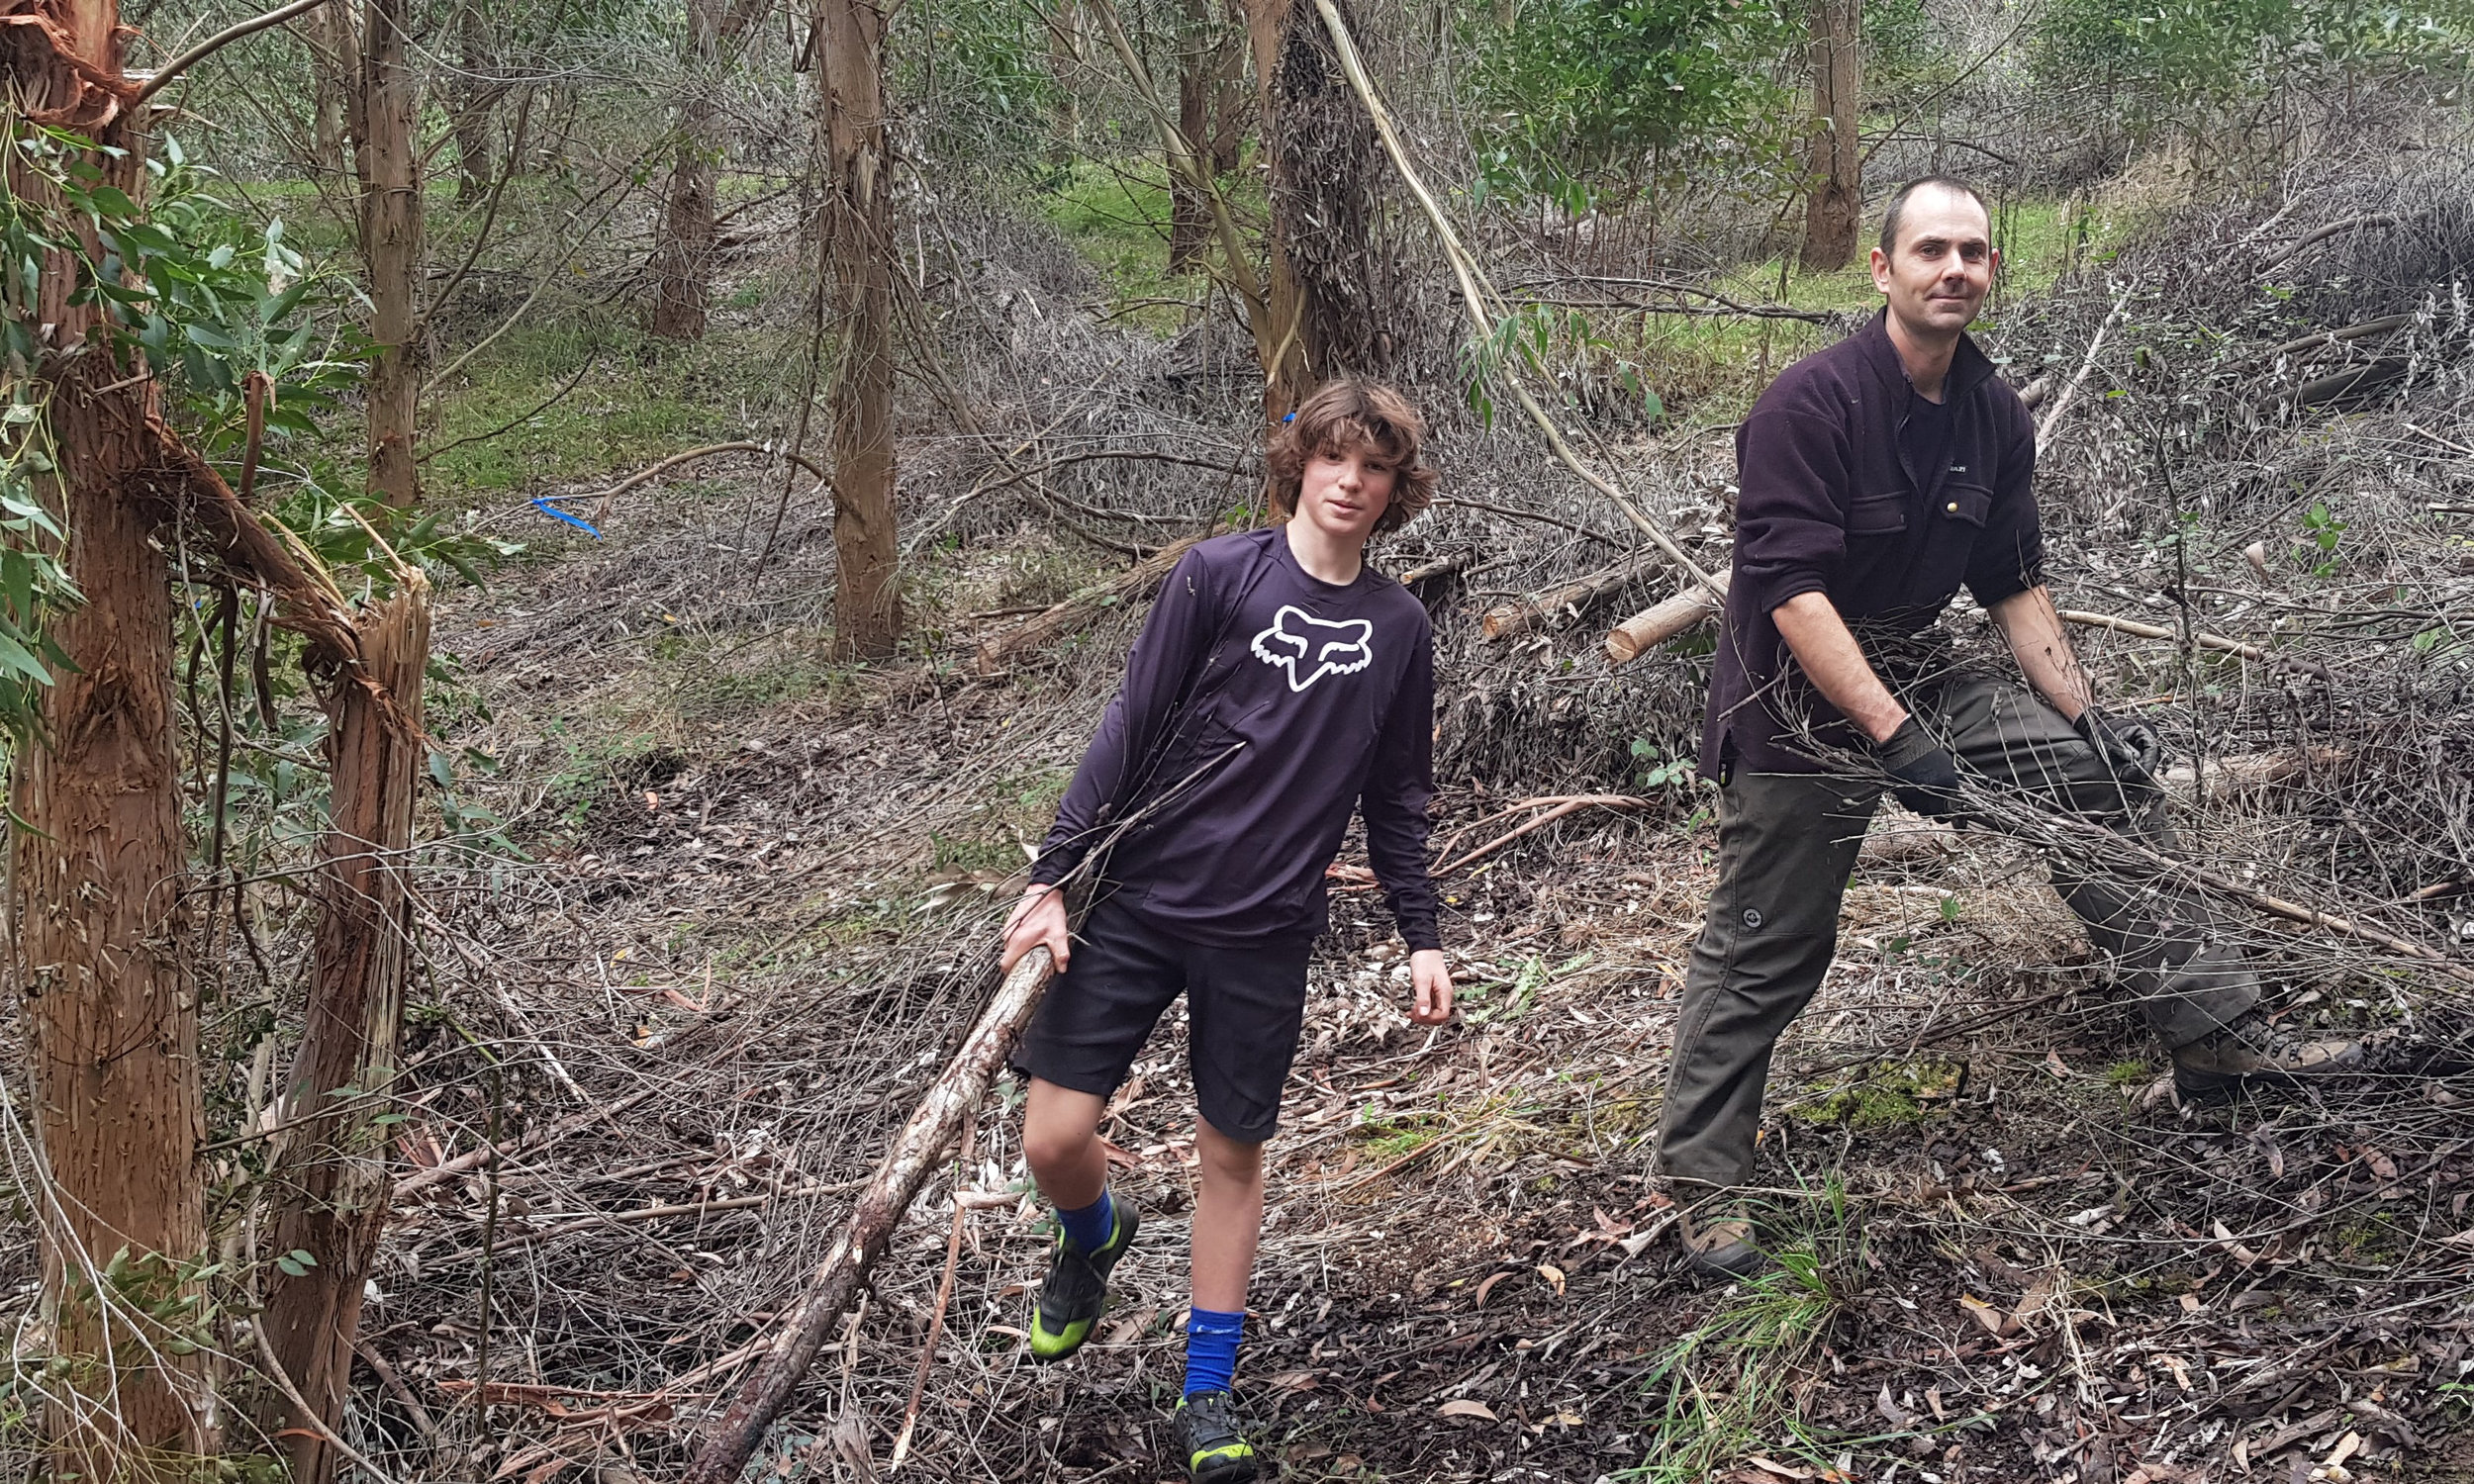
x,y
1661,621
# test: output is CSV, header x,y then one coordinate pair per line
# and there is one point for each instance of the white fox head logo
x,y
1309,648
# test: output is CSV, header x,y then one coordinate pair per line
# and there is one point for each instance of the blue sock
x,y
1212,1349
1089,1228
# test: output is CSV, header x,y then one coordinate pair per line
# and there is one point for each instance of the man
x,y
1278,685
1877,477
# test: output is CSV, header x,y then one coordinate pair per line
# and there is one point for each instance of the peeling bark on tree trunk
x,y
683,263
335,50
111,1016
1333,294
1834,210
95,916
1190,216
1210,98
332,1169
387,158
859,247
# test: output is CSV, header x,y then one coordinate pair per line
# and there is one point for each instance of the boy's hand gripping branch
x,y
1039,921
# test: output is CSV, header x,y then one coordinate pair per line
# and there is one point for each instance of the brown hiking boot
x,y
1717,1239
2252,1053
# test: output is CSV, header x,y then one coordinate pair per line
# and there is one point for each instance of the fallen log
x,y
1665,619
1507,619
1133,585
1457,562
2228,778
916,1154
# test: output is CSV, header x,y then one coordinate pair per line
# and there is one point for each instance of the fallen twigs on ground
x,y
1556,808
2140,630
916,1154
601,506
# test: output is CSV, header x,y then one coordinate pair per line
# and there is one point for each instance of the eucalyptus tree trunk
x,y
332,1167
1834,210
385,111
475,94
96,925
335,48
858,245
683,260
1190,215
1336,294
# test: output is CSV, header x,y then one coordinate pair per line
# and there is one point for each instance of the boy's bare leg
x,y
1228,1219
1060,1144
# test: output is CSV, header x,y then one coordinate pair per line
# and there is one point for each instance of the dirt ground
x,y
760,893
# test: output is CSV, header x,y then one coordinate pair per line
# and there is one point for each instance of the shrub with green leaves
x,y
2158,58
1606,100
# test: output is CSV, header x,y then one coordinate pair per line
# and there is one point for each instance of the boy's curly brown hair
x,y
1348,413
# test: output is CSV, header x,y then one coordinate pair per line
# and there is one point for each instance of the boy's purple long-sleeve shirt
x,y
1329,689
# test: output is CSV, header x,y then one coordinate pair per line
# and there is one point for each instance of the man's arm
x,y
1922,774
1836,664
2028,620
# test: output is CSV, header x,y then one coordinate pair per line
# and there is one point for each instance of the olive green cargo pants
x,y
1786,844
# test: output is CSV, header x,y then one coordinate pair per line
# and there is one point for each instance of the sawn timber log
x,y
914,1155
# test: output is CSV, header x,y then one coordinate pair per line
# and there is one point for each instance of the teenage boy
x,y
1279,684
1878,477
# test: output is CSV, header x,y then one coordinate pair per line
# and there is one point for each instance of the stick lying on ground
x,y
1671,616
2205,641
1556,808
917,1153
1511,618
601,507
1134,584
1665,619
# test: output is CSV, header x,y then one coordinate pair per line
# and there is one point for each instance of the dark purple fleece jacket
x,y
1834,501
1329,689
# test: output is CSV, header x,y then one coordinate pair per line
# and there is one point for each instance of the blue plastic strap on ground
x,y
543,504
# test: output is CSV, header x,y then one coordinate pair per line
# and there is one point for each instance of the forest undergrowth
x,y
755,891
706,908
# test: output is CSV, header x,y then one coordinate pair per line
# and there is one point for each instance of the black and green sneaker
x,y
1208,1441
1077,1287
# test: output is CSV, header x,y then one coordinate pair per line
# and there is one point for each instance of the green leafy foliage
x,y
976,78
2157,56
1591,101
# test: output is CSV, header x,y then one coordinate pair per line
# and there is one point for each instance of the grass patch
x,y
1886,1096
1115,213
637,401
1726,1388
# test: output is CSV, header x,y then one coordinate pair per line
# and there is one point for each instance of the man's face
x,y
1943,265
1344,491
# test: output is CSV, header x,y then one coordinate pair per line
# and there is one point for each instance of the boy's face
x,y
1344,491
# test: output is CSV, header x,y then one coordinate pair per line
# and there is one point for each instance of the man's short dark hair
x,y
1898,205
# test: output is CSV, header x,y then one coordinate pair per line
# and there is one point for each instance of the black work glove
x,y
2134,749
1927,776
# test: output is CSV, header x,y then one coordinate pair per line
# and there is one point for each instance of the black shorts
x,y
1246,1004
